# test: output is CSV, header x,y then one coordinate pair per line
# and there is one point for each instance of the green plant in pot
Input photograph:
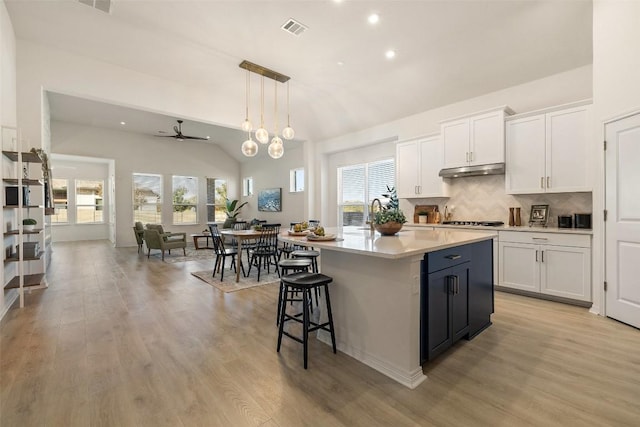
x,y
29,224
232,209
389,219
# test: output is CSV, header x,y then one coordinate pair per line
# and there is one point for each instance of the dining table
x,y
240,236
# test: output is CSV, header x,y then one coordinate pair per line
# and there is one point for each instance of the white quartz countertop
x,y
523,228
358,240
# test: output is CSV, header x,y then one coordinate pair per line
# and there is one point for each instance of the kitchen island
x,y
376,293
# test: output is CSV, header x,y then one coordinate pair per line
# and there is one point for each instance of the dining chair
x,y
221,252
266,249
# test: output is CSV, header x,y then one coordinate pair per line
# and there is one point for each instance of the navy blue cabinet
x,y
456,296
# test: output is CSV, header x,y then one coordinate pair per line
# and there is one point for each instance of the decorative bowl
x,y
388,228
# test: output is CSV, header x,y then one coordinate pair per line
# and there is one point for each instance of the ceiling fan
x,y
179,135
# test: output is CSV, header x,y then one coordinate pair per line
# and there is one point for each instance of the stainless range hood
x,y
492,169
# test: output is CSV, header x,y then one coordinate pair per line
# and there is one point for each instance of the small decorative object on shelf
x,y
389,219
517,218
512,220
29,224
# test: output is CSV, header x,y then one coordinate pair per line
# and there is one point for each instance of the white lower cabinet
x,y
548,263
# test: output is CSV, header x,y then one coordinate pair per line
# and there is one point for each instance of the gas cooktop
x,y
480,223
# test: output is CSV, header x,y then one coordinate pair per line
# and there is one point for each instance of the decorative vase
x,y
388,228
512,220
518,220
29,227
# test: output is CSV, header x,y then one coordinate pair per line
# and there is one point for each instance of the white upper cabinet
x,y
418,163
474,140
549,152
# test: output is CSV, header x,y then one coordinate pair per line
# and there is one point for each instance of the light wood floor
x,y
119,340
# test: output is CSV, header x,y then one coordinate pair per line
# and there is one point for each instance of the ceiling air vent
x,y
294,27
102,5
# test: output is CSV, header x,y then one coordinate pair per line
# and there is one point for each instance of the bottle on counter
x,y
518,221
512,220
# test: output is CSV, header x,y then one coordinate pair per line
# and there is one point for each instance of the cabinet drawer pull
x,y
539,238
536,255
548,182
542,255
452,257
466,156
457,284
542,182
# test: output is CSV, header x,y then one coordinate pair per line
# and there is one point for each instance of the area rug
x,y
229,284
192,255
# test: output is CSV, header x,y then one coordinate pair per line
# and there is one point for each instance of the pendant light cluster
x,y
276,147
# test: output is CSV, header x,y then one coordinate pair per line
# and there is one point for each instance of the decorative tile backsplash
x,y
484,198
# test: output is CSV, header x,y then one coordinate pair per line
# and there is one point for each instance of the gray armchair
x,y
156,238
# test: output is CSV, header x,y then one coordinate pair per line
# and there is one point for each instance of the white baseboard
x,y
9,299
410,379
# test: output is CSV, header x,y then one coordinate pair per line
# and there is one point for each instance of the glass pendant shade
x,y
276,149
246,126
249,148
262,136
288,133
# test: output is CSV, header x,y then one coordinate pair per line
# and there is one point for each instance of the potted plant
x,y
29,224
389,219
232,209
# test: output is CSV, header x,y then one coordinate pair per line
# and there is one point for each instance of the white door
x,y
622,228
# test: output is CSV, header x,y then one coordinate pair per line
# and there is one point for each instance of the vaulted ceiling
x,y
341,81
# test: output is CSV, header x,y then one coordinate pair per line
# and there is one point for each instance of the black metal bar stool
x,y
308,253
305,282
288,266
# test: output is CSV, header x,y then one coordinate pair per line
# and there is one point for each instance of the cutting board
x,y
433,216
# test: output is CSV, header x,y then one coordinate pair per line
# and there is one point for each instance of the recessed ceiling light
x,y
123,123
390,54
340,63
207,137
373,18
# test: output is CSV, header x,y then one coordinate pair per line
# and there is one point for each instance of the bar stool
x,y
288,266
310,254
305,282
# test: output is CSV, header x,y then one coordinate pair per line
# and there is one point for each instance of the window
x,y
358,185
296,180
185,200
147,198
89,201
247,187
60,190
216,200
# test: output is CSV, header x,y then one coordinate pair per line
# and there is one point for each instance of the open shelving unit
x,y
15,234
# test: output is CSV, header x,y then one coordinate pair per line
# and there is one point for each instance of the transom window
x,y
296,180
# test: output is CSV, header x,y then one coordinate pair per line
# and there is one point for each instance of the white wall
x,y
558,89
7,118
616,91
274,173
72,168
146,154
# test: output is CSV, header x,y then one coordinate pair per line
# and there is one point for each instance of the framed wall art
x,y
270,200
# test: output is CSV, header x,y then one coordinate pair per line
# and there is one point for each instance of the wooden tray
x,y
430,209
